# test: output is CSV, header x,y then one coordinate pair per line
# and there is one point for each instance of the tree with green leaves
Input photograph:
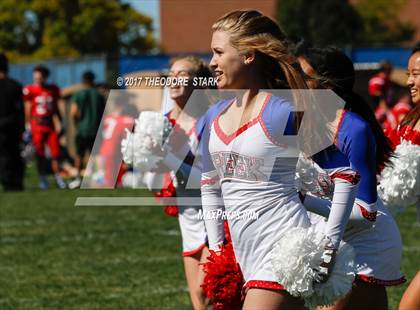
x,y
382,25
320,21
39,29
332,22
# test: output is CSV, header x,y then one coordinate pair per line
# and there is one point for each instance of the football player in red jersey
x,y
113,132
41,107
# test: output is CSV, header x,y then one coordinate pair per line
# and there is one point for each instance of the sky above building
x,y
151,9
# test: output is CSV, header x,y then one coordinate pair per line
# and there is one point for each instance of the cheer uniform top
x,y
249,175
371,230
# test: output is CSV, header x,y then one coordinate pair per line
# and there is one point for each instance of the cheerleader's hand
x,y
327,263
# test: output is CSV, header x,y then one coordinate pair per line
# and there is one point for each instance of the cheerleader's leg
x,y
205,302
195,251
271,300
195,275
411,297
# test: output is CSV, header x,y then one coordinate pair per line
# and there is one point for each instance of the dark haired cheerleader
x,y
361,146
407,139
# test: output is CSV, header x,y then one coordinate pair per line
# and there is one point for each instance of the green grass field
x,y
54,255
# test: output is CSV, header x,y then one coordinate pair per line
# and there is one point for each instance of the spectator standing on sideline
x,y
86,110
12,125
41,107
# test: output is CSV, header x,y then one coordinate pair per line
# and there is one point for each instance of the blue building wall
x,y
397,56
66,72
130,64
63,72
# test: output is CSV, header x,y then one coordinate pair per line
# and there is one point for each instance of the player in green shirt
x,y
86,110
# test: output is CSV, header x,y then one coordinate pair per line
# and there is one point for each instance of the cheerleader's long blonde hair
x,y
251,30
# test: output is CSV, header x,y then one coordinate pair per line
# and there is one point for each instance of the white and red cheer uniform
x,y
371,229
249,174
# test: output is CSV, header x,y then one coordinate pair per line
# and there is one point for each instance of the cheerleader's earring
x,y
248,59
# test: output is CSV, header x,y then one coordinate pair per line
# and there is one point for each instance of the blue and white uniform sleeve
x,y
345,189
211,195
361,153
279,123
343,174
356,142
337,210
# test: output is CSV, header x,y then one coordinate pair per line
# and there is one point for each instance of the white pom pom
x,y
339,282
294,257
399,185
297,254
131,179
151,132
306,175
127,147
311,178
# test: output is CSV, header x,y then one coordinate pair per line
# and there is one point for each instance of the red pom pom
x,y
168,191
227,232
223,280
410,134
407,133
171,211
